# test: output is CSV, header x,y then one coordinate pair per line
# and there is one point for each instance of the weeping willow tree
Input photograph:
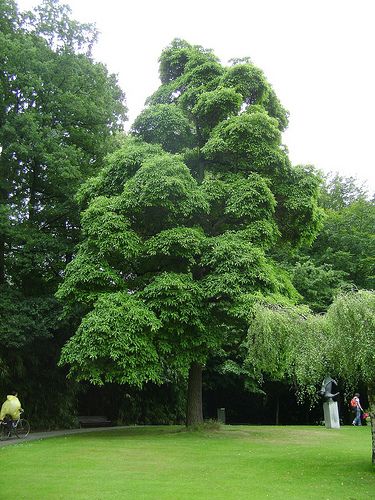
x,y
351,329
285,343
291,343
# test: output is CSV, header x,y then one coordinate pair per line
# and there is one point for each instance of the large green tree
x,y
59,112
178,243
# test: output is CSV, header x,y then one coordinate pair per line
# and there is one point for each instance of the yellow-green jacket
x,y
12,407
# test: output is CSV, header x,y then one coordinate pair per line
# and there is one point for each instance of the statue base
x,y
331,415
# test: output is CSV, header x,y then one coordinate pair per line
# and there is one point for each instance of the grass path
x,y
242,462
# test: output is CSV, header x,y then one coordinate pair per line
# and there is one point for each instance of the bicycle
x,y
19,428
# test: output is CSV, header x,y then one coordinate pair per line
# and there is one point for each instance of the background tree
x,y
342,255
59,112
177,245
339,192
347,242
318,284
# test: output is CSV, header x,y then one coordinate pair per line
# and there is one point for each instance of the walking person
x,y
357,408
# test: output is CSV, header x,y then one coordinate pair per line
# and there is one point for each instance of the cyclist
x,y
11,409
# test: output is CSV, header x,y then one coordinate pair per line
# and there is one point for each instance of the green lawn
x,y
242,462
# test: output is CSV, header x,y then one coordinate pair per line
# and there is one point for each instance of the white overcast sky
x,y
317,54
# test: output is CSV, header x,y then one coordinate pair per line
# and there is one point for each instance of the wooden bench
x,y
94,421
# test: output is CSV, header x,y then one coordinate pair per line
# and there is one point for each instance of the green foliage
x,y
347,242
275,109
108,230
174,59
299,216
250,199
119,166
51,21
59,113
287,343
339,192
162,192
250,82
342,254
86,276
351,322
317,284
247,138
238,118
186,235
244,203
115,343
181,243
247,80
215,106
25,318
165,125
8,18
233,267
177,300
351,327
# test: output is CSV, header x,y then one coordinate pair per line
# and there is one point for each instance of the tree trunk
x,y
371,400
277,412
194,410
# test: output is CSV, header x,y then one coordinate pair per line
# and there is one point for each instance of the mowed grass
x,y
235,462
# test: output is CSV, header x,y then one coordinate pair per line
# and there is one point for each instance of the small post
x,y
221,415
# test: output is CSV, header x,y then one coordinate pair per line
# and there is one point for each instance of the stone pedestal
x,y
331,415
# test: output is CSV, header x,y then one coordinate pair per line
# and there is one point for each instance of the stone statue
x,y
328,386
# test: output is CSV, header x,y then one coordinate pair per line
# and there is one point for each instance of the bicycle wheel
x,y
4,432
22,428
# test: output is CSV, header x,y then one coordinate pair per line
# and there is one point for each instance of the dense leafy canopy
x,y
58,110
186,235
347,242
59,113
342,255
351,321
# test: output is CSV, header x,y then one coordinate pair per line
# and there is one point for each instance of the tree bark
x,y
371,399
194,411
277,412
